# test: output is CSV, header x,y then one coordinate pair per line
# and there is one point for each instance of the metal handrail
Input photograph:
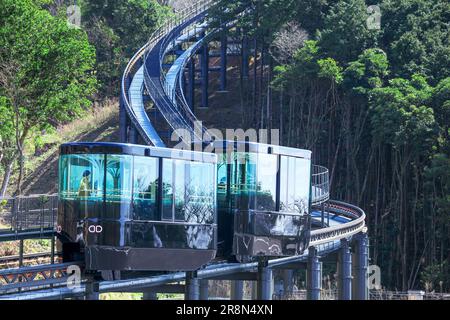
x,y
182,17
321,185
179,115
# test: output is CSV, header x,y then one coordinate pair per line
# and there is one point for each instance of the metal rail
x,y
33,277
355,225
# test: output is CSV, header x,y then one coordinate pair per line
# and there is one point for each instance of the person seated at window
x,y
84,190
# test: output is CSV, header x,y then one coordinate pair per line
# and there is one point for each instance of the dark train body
x,y
137,208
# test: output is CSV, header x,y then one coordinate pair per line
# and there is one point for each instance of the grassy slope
x,y
101,124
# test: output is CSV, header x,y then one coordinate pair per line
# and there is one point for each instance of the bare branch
x,y
287,41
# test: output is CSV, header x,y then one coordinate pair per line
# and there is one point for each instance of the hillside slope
x,y
100,125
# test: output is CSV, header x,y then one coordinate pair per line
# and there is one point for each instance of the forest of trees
x,y
371,102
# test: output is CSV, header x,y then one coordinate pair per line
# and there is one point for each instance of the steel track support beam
x,y
204,290
191,84
223,62
20,253
205,74
313,275
133,135
265,282
150,296
192,289
237,290
122,121
92,291
345,271
360,283
52,250
245,58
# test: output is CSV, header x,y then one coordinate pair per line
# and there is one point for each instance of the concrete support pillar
x,y
150,296
237,290
92,291
265,282
223,62
345,271
204,286
205,75
192,289
313,276
360,286
191,84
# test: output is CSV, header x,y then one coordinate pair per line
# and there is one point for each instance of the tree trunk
x,y
6,178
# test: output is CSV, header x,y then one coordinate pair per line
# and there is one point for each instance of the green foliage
x,y
345,33
329,69
400,115
46,76
118,29
54,63
368,72
415,35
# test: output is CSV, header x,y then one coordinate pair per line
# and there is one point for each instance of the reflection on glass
x,y
243,180
200,197
295,184
118,178
167,197
145,188
267,182
181,187
189,192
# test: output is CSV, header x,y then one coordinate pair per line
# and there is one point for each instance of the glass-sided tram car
x,y
138,208
129,207
264,200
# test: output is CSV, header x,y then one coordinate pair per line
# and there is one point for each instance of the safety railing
x,y
179,115
28,213
320,185
136,61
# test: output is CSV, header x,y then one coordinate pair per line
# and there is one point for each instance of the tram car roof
x,y
254,147
135,150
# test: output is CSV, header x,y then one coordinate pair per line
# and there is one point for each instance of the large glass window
x,y
181,188
295,183
81,176
267,182
200,197
168,190
222,178
145,188
118,178
243,180
188,191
